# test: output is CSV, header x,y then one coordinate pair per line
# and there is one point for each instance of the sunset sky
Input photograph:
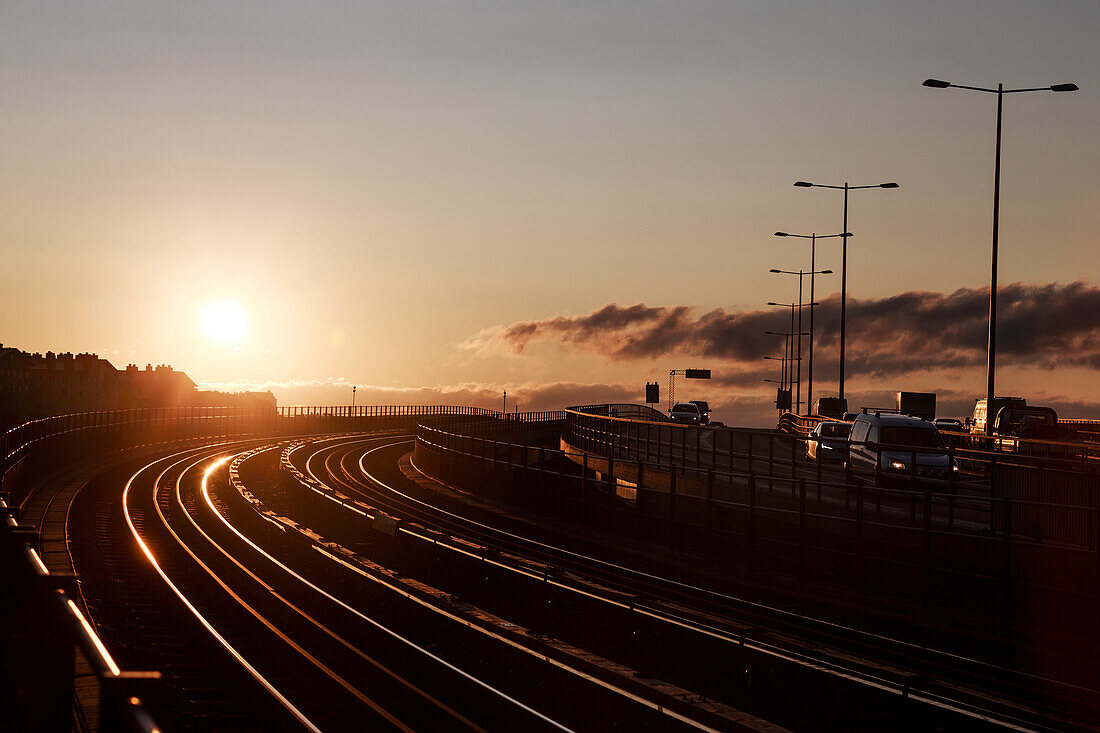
x,y
439,201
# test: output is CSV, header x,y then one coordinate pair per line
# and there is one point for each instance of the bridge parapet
x,y
41,629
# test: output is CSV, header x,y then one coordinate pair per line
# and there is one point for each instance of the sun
x,y
224,322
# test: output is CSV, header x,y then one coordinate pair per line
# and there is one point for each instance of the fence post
x,y
1006,562
771,462
671,505
752,518
858,560
801,530
710,496
542,470
1096,549
584,473
927,546
794,440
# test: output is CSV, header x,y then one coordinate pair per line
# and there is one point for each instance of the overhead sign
x,y
697,373
652,392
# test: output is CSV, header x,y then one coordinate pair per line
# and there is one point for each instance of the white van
x,y
899,447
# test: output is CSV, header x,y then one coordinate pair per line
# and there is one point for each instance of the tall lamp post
x,y
780,383
991,353
786,352
813,247
843,264
787,359
800,333
810,333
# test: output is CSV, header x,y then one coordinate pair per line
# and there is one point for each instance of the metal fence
x,y
88,432
1053,497
41,625
41,630
742,496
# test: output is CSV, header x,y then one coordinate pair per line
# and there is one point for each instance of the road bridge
x,y
529,531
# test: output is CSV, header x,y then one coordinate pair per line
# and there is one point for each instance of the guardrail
x,y
1049,494
960,549
42,628
41,624
798,424
110,430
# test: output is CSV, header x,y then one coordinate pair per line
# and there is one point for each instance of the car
x,y
686,413
899,448
828,441
704,410
949,423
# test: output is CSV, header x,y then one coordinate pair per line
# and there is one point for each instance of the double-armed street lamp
x,y
796,356
781,386
991,354
843,263
788,354
813,254
783,359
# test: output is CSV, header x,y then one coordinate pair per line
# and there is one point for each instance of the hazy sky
x,y
386,188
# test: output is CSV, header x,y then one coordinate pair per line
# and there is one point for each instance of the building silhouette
x,y
149,387
34,386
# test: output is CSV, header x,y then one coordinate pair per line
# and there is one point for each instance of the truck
x,y
977,425
1017,419
833,407
917,404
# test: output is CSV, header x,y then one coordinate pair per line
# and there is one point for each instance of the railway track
x,y
966,690
254,630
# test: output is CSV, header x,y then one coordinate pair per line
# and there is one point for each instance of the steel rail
x,y
929,697
260,678
386,630
328,671
616,689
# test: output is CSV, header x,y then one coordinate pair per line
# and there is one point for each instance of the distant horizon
x,y
733,392
446,202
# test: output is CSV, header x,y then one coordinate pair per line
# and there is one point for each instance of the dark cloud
x,y
1053,325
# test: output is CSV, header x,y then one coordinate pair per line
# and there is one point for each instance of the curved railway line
x,y
256,630
978,691
324,583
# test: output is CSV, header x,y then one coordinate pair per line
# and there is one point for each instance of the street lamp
x,y
843,264
781,385
991,354
800,333
813,237
788,353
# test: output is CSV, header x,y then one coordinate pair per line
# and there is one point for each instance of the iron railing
x,y
959,548
42,628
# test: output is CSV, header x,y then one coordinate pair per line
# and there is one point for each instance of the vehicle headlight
x,y
898,465
954,467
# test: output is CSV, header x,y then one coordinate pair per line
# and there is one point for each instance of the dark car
x,y
686,413
704,411
828,442
949,423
